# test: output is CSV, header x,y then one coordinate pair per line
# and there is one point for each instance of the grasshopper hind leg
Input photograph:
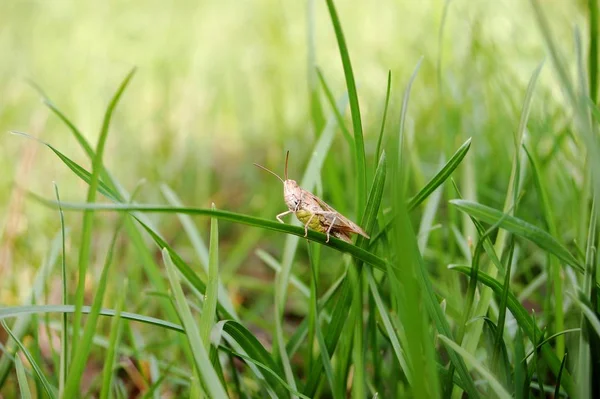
x,y
307,223
330,227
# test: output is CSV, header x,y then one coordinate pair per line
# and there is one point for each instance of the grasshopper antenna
x,y
270,171
287,154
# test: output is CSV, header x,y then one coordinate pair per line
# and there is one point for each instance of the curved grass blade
x,y
520,228
48,388
335,243
248,359
441,176
336,112
525,322
203,367
275,379
559,376
64,350
17,311
88,216
384,117
437,180
359,146
199,246
389,328
404,111
469,358
22,378
75,168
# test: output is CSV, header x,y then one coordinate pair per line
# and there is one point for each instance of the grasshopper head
x,y
292,194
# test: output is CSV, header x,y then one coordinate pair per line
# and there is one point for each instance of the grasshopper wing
x,y
342,223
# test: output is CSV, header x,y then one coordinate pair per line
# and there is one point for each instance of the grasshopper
x,y
312,211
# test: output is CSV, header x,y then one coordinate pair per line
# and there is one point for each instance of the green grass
x,y
468,152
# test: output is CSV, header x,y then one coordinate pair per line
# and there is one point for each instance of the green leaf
x,y
469,358
242,337
334,243
203,367
17,311
207,319
437,180
441,176
520,228
88,216
22,378
384,117
359,146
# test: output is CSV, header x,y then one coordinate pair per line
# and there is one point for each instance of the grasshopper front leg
x,y
278,217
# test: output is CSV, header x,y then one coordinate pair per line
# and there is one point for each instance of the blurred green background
x,y
223,84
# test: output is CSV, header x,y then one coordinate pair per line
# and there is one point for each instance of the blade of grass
x,y
316,110
313,254
17,311
335,243
492,381
241,336
555,270
209,310
499,339
431,186
520,228
64,352
520,367
48,388
391,332
403,113
264,367
82,346
359,146
202,366
22,379
384,117
199,246
336,111
114,338
594,33
409,298
359,380
558,377
88,216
